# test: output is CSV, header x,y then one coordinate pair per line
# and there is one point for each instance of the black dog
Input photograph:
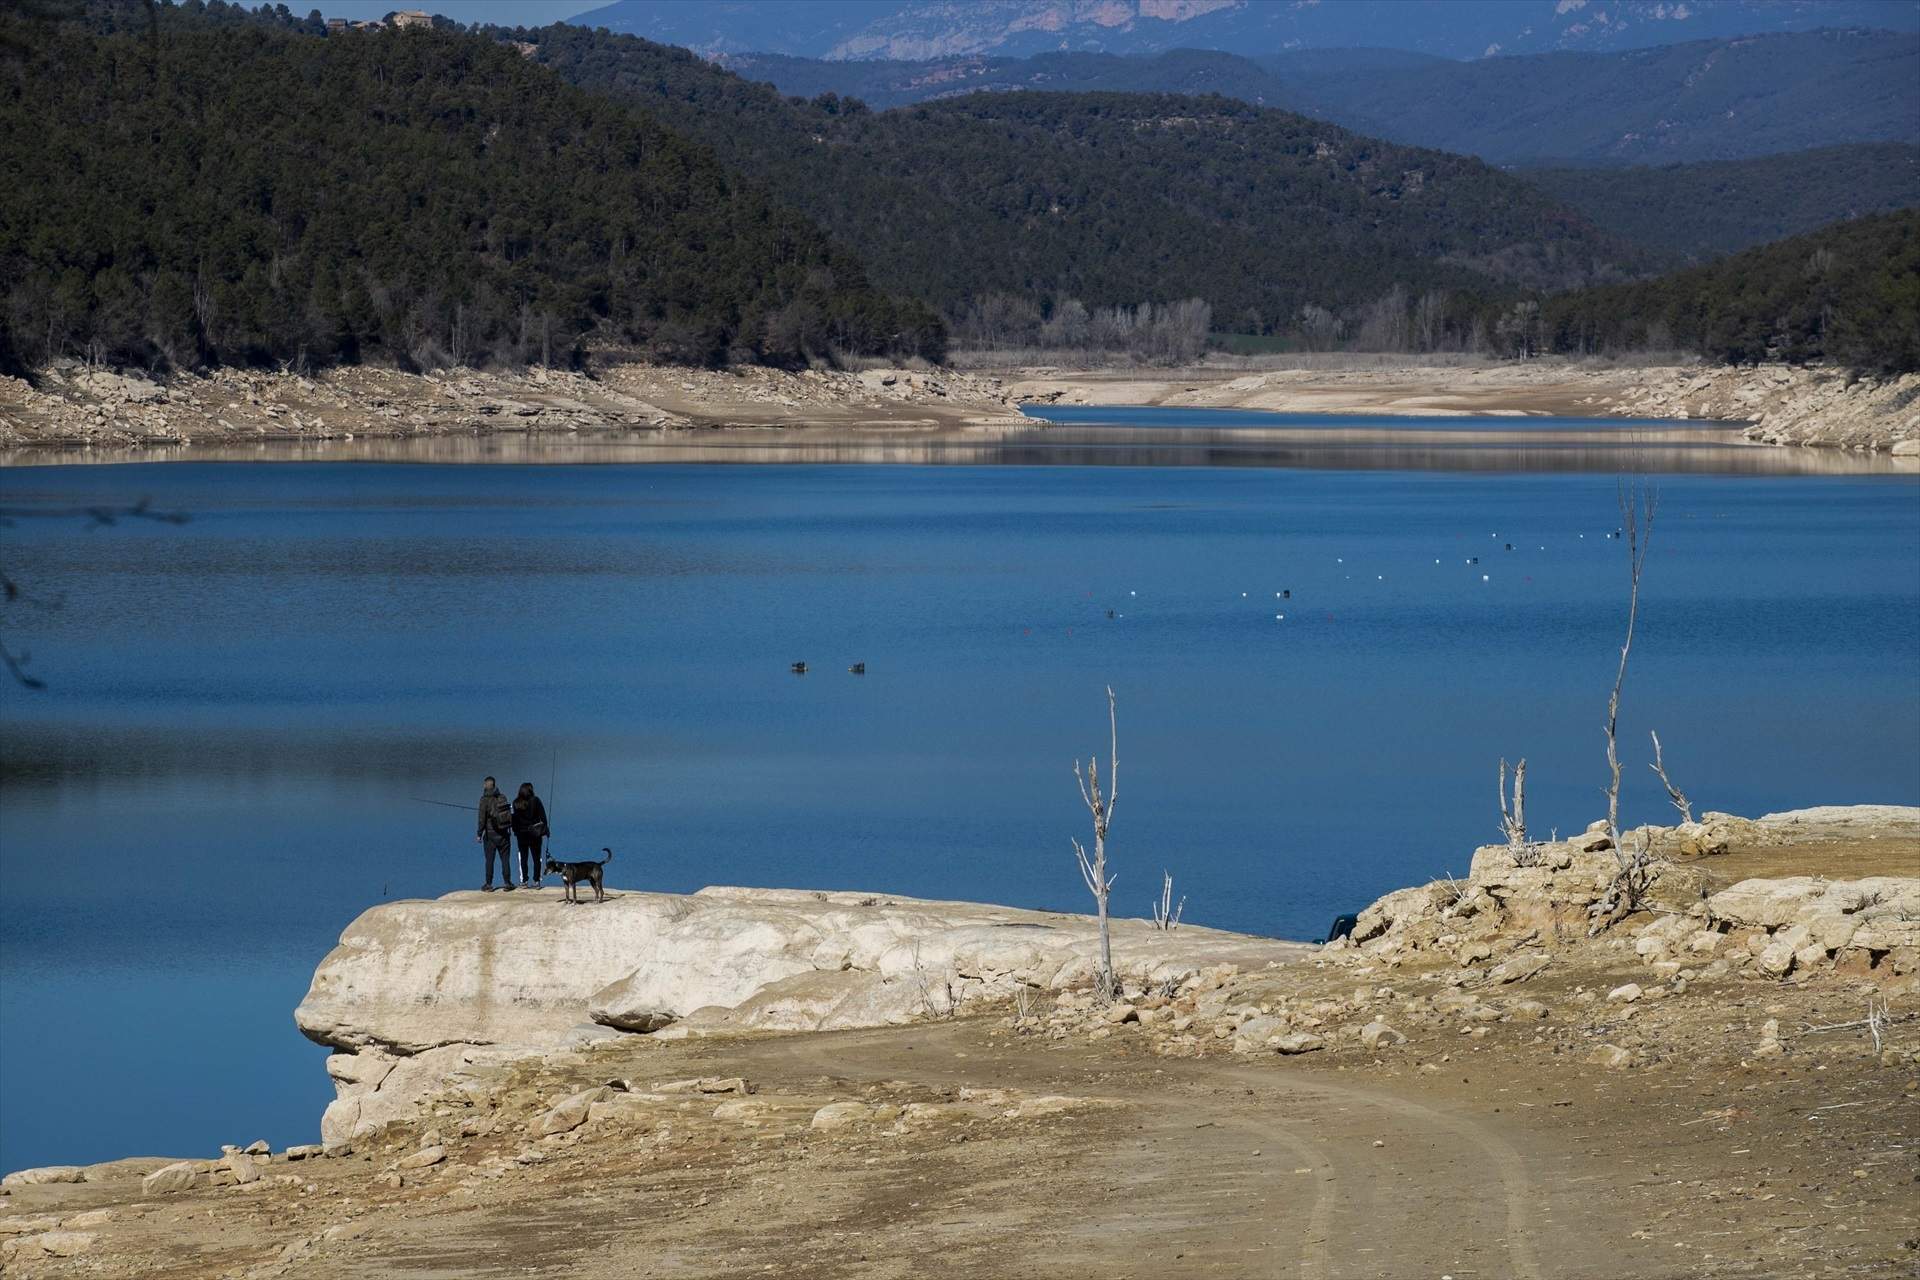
x,y
572,873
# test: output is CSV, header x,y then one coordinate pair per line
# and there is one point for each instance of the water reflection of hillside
x,y
1538,446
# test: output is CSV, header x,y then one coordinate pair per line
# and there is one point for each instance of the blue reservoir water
x,y
243,712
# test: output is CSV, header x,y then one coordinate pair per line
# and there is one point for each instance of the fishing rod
x,y
444,804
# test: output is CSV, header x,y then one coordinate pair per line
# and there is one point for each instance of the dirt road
x,y
1454,1156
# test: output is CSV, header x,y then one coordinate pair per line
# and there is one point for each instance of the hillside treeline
x,y
1113,199
1848,294
1690,213
213,188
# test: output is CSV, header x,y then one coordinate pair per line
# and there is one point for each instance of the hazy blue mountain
x,y
1700,211
923,29
1704,100
1707,100
893,83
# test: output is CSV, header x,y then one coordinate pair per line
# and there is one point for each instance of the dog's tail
x,y
609,858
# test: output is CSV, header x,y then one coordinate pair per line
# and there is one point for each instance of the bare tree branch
x,y
1513,823
1674,793
1094,869
1634,867
12,592
1637,507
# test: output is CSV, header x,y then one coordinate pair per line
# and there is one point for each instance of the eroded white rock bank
x,y
419,994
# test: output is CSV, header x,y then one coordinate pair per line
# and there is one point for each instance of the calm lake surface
x,y
241,711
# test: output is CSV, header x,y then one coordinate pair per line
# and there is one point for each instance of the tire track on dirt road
x,y
1238,1170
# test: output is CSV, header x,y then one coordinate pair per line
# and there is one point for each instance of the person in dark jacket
x,y
529,831
495,834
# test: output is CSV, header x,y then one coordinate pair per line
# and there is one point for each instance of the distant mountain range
x,y
1705,100
926,29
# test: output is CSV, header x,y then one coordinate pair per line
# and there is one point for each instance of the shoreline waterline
x,y
1053,435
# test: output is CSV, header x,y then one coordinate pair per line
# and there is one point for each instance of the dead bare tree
x,y
1094,869
1166,915
1513,822
1637,507
1636,526
1677,796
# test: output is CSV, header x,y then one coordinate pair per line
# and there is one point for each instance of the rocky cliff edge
x,y
419,992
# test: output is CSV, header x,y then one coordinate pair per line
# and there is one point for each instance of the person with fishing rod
x,y
495,834
529,831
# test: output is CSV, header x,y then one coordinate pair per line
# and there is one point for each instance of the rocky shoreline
x,y
1784,405
495,1048
73,405
1787,405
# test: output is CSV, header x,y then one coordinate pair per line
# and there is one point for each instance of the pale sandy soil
x,y
1776,404
1557,390
78,407
1488,1145
77,412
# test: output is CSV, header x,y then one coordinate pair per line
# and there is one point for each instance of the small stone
x,y
425,1158
1519,968
1776,959
1119,1013
1255,1034
1298,1042
168,1179
840,1115
1376,1034
1626,993
569,1113
64,1244
52,1173
304,1151
706,1084
1611,1056
258,1147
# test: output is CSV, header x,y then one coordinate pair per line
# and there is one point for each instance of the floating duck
x,y
799,668
858,669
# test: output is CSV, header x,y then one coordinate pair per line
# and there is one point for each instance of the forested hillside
x,y
1849,294
236,191
1700,211
1110,198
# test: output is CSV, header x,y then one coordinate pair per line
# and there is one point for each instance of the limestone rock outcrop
x,y
419,995
1513,897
